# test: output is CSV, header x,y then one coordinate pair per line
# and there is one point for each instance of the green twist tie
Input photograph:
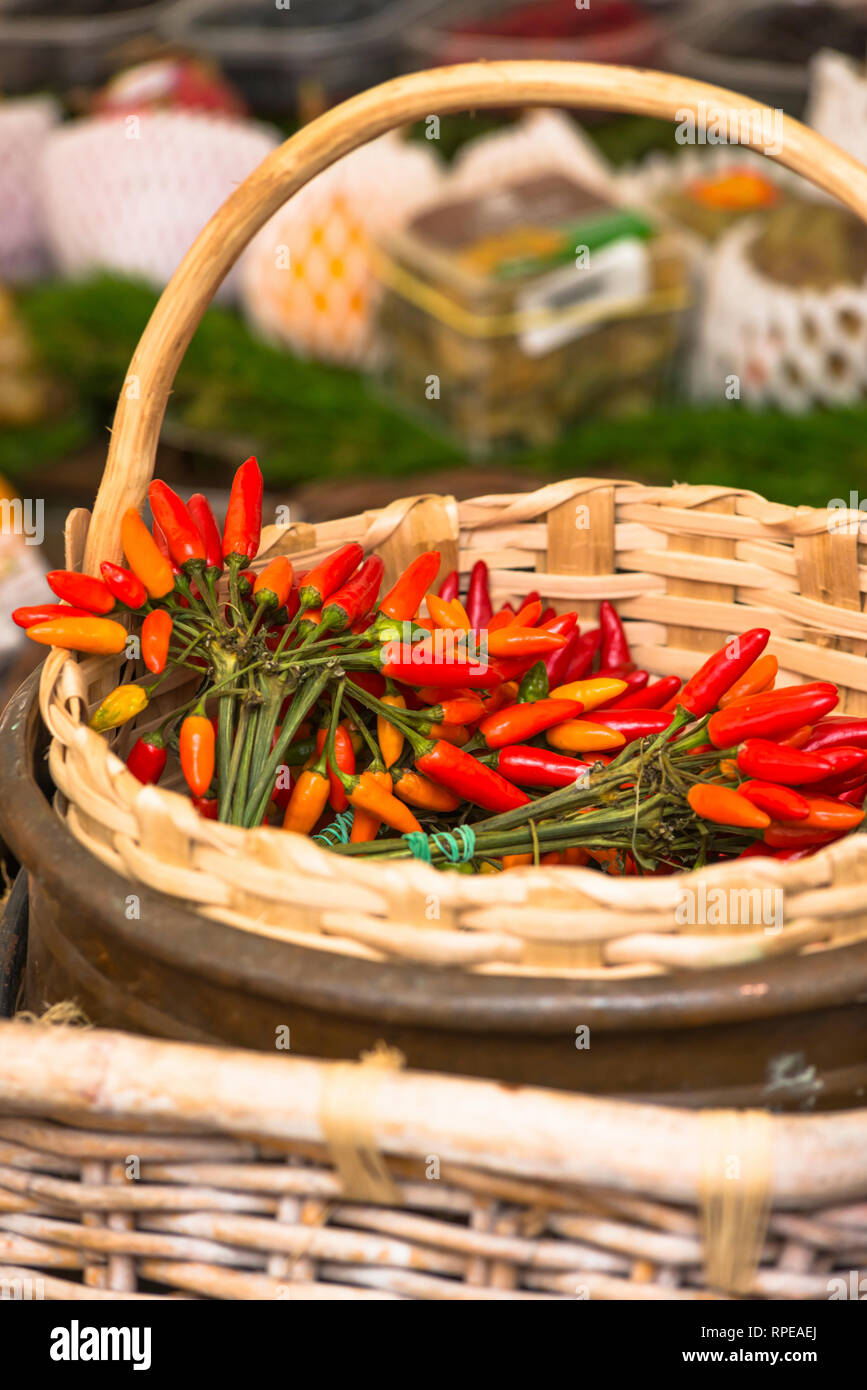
x,y
458,848
337,833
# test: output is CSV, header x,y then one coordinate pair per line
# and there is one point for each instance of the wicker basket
x,y
131,1168
686,565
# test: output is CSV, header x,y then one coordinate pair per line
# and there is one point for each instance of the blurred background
x,y
478,303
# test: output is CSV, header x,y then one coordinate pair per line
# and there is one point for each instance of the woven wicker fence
x,y
131,1168
687,567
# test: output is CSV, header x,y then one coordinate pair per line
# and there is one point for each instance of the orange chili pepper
x,y
523,641
828,814
144,556
197,752
364,823
420,791
760,676
271,589
583,736
516,861
594,691
444,615
307,802
529,615
726,807
389,737
452,733
463,709
99,636
366,794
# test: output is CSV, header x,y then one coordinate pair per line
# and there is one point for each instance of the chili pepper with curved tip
x,y
478,605
726,807
403,600
196,747
521,722
418,790
243,529
46,613
467,778
144,556
81,590
119,706
766,715
450,587
199,509
147,758
780,803
762,758
96,636
756,679
329,575
614,648
539,767
703,691
181,532
126,587
156,634
654,696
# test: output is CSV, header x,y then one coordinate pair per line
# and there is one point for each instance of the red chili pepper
x,y
403,600
799,836
207,806
539,767
855,795
547,615
469,779
371,681
356,597
478,605
766,760
243,529
614,649
82,590
558,663
841,731
327,577
450,587
635,683
147,758
766,715
703,691
126,586
564,624
181,532
344,755
634,723
502,619
521,722
156,633
46,613
199,509
586,647
654,696
197,752
847,770
413,666
780,803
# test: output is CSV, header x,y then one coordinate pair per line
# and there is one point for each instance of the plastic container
x,y
507,313
278,55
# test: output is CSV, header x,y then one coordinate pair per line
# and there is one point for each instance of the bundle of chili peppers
x,y
419,724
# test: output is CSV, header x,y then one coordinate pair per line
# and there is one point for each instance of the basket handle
x,y
468,86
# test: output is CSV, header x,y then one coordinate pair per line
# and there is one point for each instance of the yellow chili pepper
x,y
100,636
583,736
596,690
122,704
